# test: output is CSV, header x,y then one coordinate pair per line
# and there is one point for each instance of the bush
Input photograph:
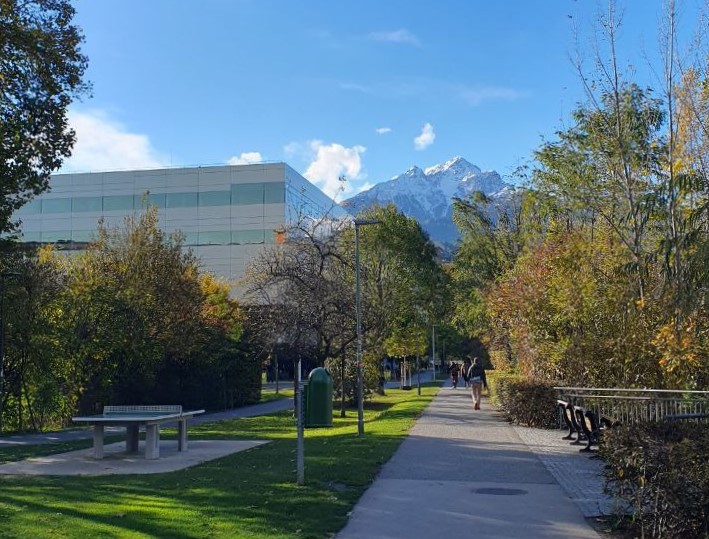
x,y
497,382
528,403
660,472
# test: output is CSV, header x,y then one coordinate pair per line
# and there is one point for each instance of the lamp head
x,y
359,222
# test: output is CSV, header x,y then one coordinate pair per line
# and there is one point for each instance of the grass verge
x,y
268,395
250,494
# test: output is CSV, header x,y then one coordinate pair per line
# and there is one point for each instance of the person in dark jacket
x,y
476,376
454,371
464,371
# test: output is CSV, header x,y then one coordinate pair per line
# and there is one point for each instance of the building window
x,y
222,237
31,236
275,192
118,202
56,205
143,201
53,236
243,194
31,208
215,198
82,236
191,238
182,200
246,237
82,204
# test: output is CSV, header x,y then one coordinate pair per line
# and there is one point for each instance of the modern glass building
x,y
226,213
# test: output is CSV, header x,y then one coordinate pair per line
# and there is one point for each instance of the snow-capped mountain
x,y
427,195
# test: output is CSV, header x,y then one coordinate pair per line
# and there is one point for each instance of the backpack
x,y
475,373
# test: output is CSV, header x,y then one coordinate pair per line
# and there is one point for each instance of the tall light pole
x,y
358,308
433,350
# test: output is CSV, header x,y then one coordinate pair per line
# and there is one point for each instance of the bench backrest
x,y
136,409
583,420
565,413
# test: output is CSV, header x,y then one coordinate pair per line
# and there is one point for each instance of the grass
x,y
249,494
268,395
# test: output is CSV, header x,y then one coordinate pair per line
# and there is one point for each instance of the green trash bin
x,y
318,399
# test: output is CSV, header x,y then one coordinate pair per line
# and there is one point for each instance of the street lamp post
x,y
279,342
433,350
358,308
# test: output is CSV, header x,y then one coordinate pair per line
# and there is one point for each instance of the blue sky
x,y
361,88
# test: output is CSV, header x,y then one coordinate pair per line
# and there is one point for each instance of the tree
x,y
304,289
302,296
37,371
406,290
142,325
41,70
491,241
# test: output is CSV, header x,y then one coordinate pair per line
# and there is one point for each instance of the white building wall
x,y
226,213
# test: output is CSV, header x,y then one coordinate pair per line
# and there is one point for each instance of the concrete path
x,y
464,473
80,434
117,462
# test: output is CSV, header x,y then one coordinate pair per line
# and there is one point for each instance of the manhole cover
x,y
501,491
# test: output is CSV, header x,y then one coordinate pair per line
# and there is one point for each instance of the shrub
x,y
660,472
497,382
528,403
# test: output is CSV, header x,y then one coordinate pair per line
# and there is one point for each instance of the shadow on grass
x,y
21,452
248,494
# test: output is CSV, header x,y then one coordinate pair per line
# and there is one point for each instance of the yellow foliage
x,y
680,349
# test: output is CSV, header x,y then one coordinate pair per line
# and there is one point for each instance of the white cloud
x,y
426,138
330,162
246,158
401,36
366,186
292,149
383,130
475,96
105,144
355,87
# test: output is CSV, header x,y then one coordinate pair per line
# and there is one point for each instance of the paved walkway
x,y
466,473
460,472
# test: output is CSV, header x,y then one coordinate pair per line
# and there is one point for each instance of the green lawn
x,y
250,494
268,395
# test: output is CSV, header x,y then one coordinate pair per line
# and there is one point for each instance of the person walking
x,y
454,371
476,375
464,371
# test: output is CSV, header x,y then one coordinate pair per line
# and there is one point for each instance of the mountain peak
x,y
458,166
427,195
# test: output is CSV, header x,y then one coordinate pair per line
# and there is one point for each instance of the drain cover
x,y
501,491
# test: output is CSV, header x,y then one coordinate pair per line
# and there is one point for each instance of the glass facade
x,y
118,203
79,204
245,194
233,210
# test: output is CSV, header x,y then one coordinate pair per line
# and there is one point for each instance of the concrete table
x,y
132,418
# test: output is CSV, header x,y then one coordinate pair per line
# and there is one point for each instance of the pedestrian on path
x,y
454,371
464,371
476,375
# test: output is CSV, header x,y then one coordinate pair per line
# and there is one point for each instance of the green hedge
x,y
528,403
661,472
497,382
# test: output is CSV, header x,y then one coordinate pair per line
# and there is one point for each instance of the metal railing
x,y
636,405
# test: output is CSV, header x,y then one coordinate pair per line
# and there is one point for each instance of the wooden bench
x,y
592,426
132,418
567,413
